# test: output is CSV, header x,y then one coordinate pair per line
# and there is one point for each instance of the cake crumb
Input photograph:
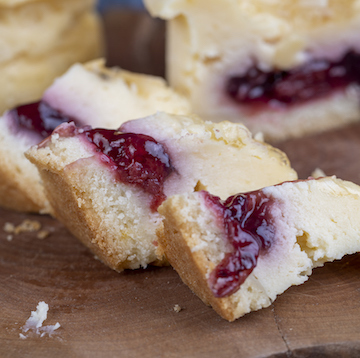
x,y
42,234
259,136
177,308
318,173
26,226
9,227
34,324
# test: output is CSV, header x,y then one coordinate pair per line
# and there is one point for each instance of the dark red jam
x,y
38,117
313,80
137,160
249,227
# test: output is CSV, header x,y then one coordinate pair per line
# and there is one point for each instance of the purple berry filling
x,y
249,228
137,159
38,117
315,79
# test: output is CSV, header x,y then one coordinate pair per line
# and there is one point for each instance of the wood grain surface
x,y
106,314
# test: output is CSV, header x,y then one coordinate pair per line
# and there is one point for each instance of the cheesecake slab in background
x,y
284,68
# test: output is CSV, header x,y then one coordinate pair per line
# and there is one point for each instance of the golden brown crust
x,y
191,266
80,221
81,218
20,188
85,197
64,195
13,197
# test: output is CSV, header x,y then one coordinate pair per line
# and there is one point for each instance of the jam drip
x,y
315,79
249,228
38,117
137,159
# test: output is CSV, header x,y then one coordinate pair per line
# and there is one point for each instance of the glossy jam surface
x,y
38,117
137,160
250,230
313,80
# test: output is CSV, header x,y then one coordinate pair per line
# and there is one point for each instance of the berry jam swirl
x,y
249,228
137,159
38,117
313,80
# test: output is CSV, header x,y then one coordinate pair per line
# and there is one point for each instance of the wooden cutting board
x,y
106,314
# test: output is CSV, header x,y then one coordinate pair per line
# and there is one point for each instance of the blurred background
x,y
134,40
104,5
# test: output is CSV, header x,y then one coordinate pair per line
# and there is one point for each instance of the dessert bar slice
x,y
86,94
238,254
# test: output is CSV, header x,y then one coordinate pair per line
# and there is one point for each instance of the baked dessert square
x,y
89,94
285,68
238,254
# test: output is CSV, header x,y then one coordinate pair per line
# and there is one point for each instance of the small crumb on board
x,y
26,226
177,308
34,325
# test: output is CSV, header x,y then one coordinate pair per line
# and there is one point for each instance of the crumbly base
x,y
111,218
20,187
